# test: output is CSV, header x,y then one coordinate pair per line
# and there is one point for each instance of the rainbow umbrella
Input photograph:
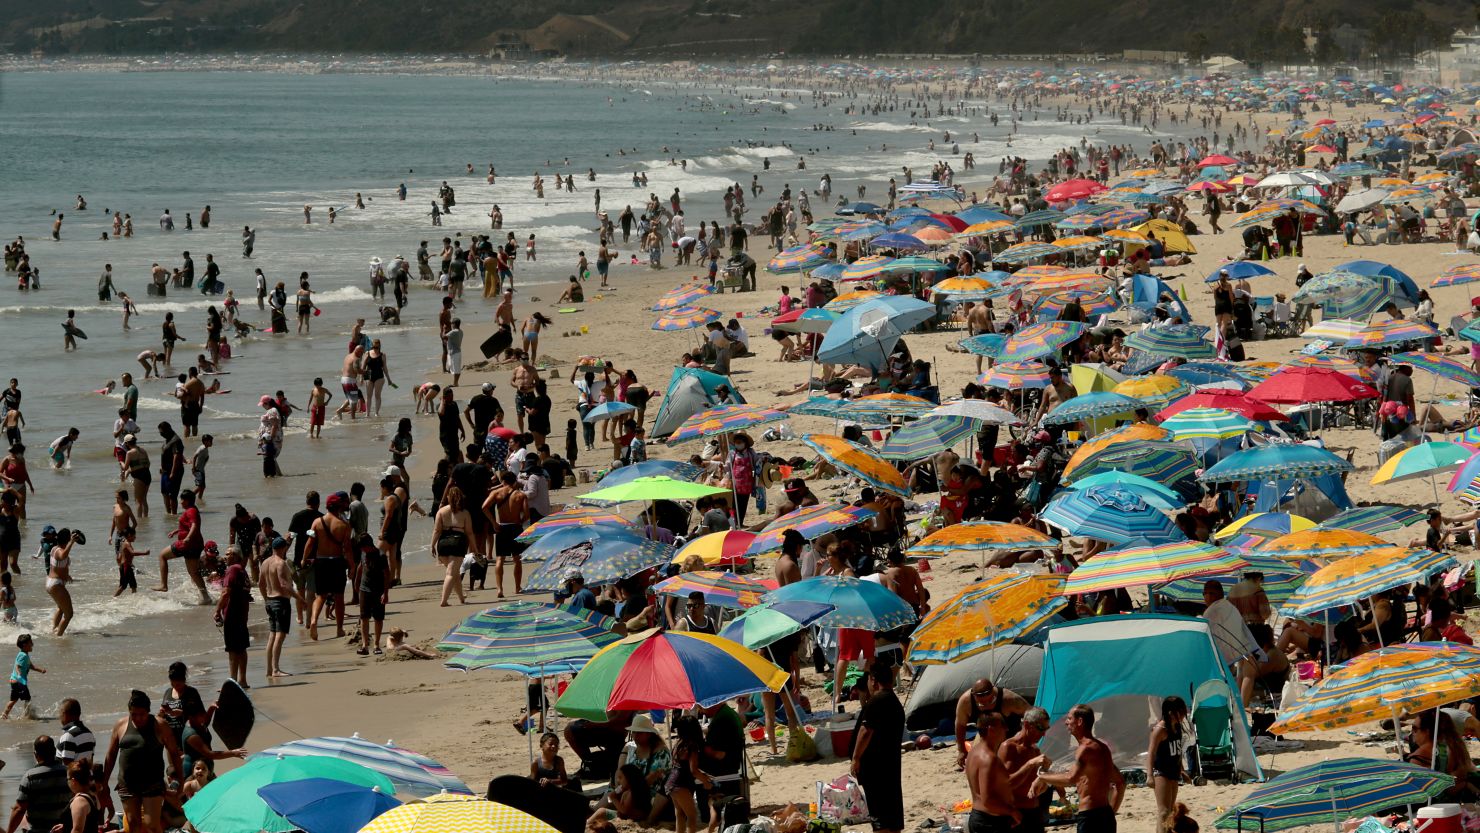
x,y
925,436
1408,678
1265,525
1121,217
1183,341
460,813
1281,580
885,406
717,549
685,318
964,289
724,420
984,229
1134,432
849,300
857,604
411,774
769,621
1447,367
1422,460
1116,516
1005,606
667,670
1090,405
1332,791
230,804
810,522
867,466
865,267
1093,303
1157,390
914,264
1015,375
573,516
981,536
1146,565
540,636
682,295
1374,518
1322,542
1207,424
1361,576
1171,464
532,619
1078,280
1457,275
797,259
720,587
856,230
1039,340
1392,331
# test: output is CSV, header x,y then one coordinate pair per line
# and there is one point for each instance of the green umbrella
x,y
230,803
765,623
654,488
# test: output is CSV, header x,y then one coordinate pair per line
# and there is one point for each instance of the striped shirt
x,y
45,794
76,742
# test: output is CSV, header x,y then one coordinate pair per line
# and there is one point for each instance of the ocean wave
x,y
891,127
96,615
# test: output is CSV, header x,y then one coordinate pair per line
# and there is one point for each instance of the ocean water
x,y
257,147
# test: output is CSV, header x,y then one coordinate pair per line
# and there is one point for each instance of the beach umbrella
x,y
1283,461
323,805
1126,236
822,406
683,295
607,559
685,318
978,411
1037,219
1117,516
1361,199
721,588
1183,341
963,288
1005,606
1090,405
526,635
925,436
573,517
987,344
411,774
866,334
1015,375
1311,384
676,469
1331,792
1085,221
726,419
1039,340
1458,275
797,259
1171,464
1121,217
1322,542
985,228
768,622
1134,432
608,410
1281,579
857,231
657,487
898,241
810,522
1219,160
1380,291
1209,374
1155,564
885,406
667,670
1207,424
865,267
1336,285
1405,679
980,214
460,813
1366,574
1374,518
1228,400
861,208
1155,391
230,804
1073,189
873,470
1341,364
1216,186
857,604
1092,302
1287,179
1078,243
717,549
1334,330
1240,270
849,300
831,271
811,321
1446,367
1423,460
1266,525
1024,252
1148,490
1392,331
981,536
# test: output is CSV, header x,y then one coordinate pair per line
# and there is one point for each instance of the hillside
x,y
1264,30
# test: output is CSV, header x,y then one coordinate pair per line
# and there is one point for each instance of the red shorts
x,y
855,644
118,453
315,414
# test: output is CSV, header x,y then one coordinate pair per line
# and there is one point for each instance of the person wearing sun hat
x,y
270,436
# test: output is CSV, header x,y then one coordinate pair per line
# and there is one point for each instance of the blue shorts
x,y
200,479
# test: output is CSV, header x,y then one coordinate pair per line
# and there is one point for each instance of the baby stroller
x,y
1212,728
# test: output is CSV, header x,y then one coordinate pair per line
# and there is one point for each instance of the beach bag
x,y
842,800
800,747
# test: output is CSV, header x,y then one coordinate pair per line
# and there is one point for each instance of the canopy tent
x,y
690,391
1122,667
1224,63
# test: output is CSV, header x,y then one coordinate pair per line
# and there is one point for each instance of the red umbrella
x,y
1074,189
1325,122
1312,384
1228,400
954,223
1217,159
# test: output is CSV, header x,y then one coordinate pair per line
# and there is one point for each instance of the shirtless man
x,y
1023,760
904,580
349,381
508,508
978,322
983,696
275,583
992,809
318,406
1057,393
192,402
789,565
1100,785
327,553
123,518
525,375
503,316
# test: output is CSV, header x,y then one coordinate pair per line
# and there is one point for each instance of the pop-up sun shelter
x,y
1122,667
690,391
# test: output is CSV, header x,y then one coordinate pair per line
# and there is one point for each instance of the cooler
x,y
1438,818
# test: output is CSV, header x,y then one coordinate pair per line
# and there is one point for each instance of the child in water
x,y
8,611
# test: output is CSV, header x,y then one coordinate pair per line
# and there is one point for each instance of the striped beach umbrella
x,y
720,587
1086,280
1282,461
986,229
461,813
965,289
1077,243
230,803
1037,219
797,259
810,522
1322,542
675,469
1093,302
543,637
1446,367
1027,274
873,470
981,536
412,774
1334,330
858,604
573,516
886,405
1183,341
819,406
1039,340
684,318
768,622
1171,464
1265,525
717,549
926,436
1089,406
608,559
683,295
668,670
1155,391
1281,579
1135,432
1364,575
1079,222
1407,678
1336,285
724,420
1148,490
1208,424
1332,791
849,300
1374,518
905,265
865,267
1122,217
1145,565
1024,252
1422,460
1005,606
529,619
1229,400
1392,331
1458,275
1015,376
1117,516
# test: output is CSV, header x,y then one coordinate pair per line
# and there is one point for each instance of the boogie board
x,y
234,716
74,331
497,343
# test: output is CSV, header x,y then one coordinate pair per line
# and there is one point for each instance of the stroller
x,y
1212,728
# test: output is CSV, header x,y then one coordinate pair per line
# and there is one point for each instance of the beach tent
x,y
1170,234
933,699
1122,667
1224,63
690,391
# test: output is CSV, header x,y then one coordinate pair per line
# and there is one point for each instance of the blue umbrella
x,y
1091,405
899,241
769,621
1372,269
651,468
980,214
857,603
867,333
1276,462
553,544
1331,791
820,406
1208,373
1183,341
611,557
1240,270
324,805
607,410
1146,489
989,344
1109,513
861,208
830,271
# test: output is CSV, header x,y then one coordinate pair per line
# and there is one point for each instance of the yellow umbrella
x,y
1080,241
449,813
1006,605
1297,524
983,229
1245,179
1142,172
867,466
1382,683
1126,236
1087,378
1158,387
1135,432
981,536
963,285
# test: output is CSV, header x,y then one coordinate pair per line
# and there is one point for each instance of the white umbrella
x,y
1287,178
1361,200
977,409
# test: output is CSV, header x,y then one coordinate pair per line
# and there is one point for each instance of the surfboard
x,y
74,330
234,716
496,343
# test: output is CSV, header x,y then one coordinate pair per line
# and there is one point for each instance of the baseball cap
x,y
572,575
392,471
280,543
129,438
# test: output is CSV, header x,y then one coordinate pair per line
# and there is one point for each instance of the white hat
x,y
642,723
129,438
488,387
572,575
374,261
393,471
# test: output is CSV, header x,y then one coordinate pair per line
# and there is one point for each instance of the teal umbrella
x,y
767,622
520,636
230,803
926,436
1332,791
1145,488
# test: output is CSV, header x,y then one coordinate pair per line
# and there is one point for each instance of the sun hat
x,y
642,723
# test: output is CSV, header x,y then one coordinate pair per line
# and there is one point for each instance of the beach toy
x,y
584,329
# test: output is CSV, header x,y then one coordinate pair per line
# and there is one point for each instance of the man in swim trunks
x,y
328,553
189,544
318,406
1094,774
986,774
349,382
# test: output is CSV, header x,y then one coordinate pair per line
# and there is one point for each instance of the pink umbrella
x,y
1074,189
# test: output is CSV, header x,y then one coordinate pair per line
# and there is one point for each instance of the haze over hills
x,y
1274,31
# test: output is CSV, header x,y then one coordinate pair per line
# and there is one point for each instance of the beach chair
x,y
1212,729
